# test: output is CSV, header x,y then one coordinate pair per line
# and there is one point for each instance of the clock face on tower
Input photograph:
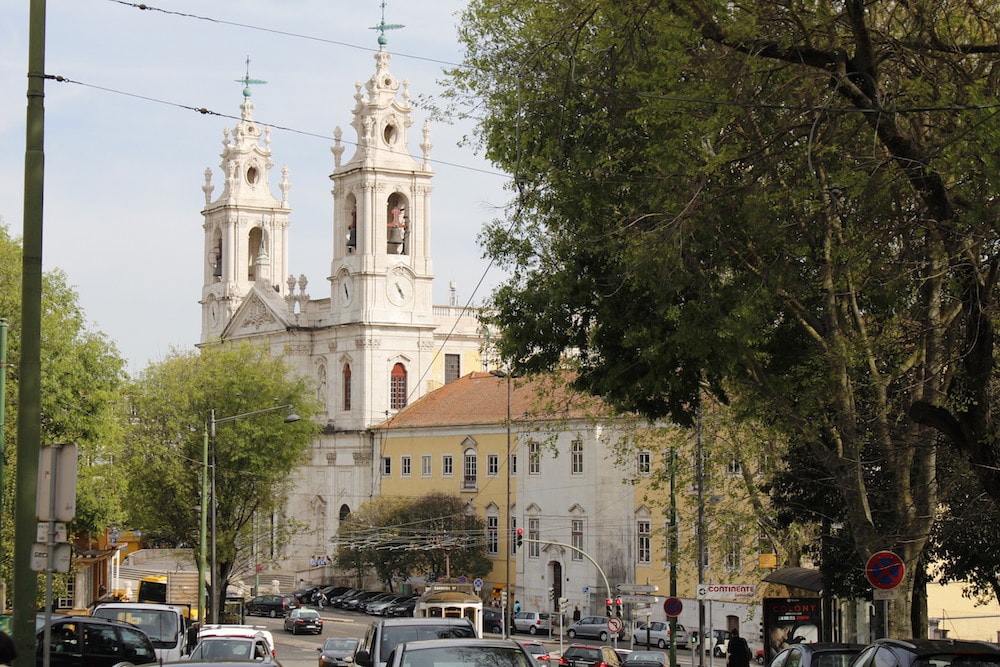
x,y
346,289
399,287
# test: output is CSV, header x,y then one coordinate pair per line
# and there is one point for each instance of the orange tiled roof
x,y
481,398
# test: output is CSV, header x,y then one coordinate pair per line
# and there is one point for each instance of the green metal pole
x,y
29,377
3,412
673,553
203,546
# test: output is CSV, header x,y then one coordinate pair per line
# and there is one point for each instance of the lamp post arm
x,y
579,551
220,420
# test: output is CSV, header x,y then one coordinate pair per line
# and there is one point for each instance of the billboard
x,y
790,621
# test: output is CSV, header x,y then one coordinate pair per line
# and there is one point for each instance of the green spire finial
x,y
383,26
246,80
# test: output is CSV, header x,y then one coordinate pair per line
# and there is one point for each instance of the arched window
x,y
397,387
470,469
344,511
254,241
347,387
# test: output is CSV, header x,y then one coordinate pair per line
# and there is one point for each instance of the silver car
x,y
531,622
591,626
659,634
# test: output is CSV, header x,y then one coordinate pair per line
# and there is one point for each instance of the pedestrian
x,y
7,650
576,613
738,650
517,606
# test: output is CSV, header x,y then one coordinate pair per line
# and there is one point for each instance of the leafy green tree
x,y
400,537
791,205
172,402
82,376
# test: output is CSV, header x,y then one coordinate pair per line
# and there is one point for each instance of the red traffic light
x,y
520,531
608,601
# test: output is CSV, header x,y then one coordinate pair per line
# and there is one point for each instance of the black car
x,y
492,621
582,655
94,642
272,605
404,608
922,652
336,650
340,600
819,654
357,602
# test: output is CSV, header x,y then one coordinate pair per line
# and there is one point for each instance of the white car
x,y
659,634
238,632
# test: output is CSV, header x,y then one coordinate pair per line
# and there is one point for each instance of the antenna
x,y
383,26
246,80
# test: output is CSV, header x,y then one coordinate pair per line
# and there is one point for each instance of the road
x,y
301,650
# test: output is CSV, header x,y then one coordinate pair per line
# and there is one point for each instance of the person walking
x,y
576,613
738,651
517,606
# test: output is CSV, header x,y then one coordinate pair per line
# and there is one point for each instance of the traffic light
x,y
618,607
520,539
608,608
503,599
552,592
563,603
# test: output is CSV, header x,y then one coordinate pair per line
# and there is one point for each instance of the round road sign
x,y
672,606
885,570
615,625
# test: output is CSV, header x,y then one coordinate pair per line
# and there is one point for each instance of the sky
x,y
126,152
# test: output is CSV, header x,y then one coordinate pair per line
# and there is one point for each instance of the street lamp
x,y
508,376
208,462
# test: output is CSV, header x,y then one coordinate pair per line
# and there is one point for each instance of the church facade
x,y
373,341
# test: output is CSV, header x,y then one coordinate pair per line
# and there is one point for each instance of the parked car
x,y
356,603
492,621
377,606
304,619
271,605
819,654
623,654
657,633
472,651
531,622
404,608
646,659
717,643
336,651
94,642
384,635
339,600
538,650
921,652
591,626
581,655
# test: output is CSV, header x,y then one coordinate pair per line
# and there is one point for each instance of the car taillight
x,y
601,664
563,661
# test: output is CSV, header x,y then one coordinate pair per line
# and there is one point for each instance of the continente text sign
x,y
725,591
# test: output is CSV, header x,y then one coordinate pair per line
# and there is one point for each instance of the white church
x,y
373,341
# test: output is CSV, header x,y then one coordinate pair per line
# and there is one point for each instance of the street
x,y
301,650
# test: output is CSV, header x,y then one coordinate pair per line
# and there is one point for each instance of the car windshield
x,y
339,644
223,649
466,656
394,635
159,625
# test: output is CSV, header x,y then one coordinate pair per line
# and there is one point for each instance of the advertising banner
x,y
790,621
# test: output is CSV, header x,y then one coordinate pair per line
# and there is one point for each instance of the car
x,y
383,635
303,619
458,652
336,651
356,603
531,622
657,633
923,652
591,626
623,654
404,608
374,602
819,654
244,631
273,605
582,655
378,608
232,649
492,621
340,600
538,650
646,659
719,640
94,642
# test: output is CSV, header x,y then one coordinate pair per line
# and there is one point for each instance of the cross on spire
x,y
246,81
383,26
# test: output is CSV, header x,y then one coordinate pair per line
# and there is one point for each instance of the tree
x,y
254,456
400,537
82,376
790,205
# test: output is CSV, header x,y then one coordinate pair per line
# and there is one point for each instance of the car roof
x,y
438,643
941,645
423,621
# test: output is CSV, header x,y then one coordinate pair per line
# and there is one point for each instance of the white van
x,y
165,624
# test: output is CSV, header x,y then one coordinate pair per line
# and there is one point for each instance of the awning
x,y
797,577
